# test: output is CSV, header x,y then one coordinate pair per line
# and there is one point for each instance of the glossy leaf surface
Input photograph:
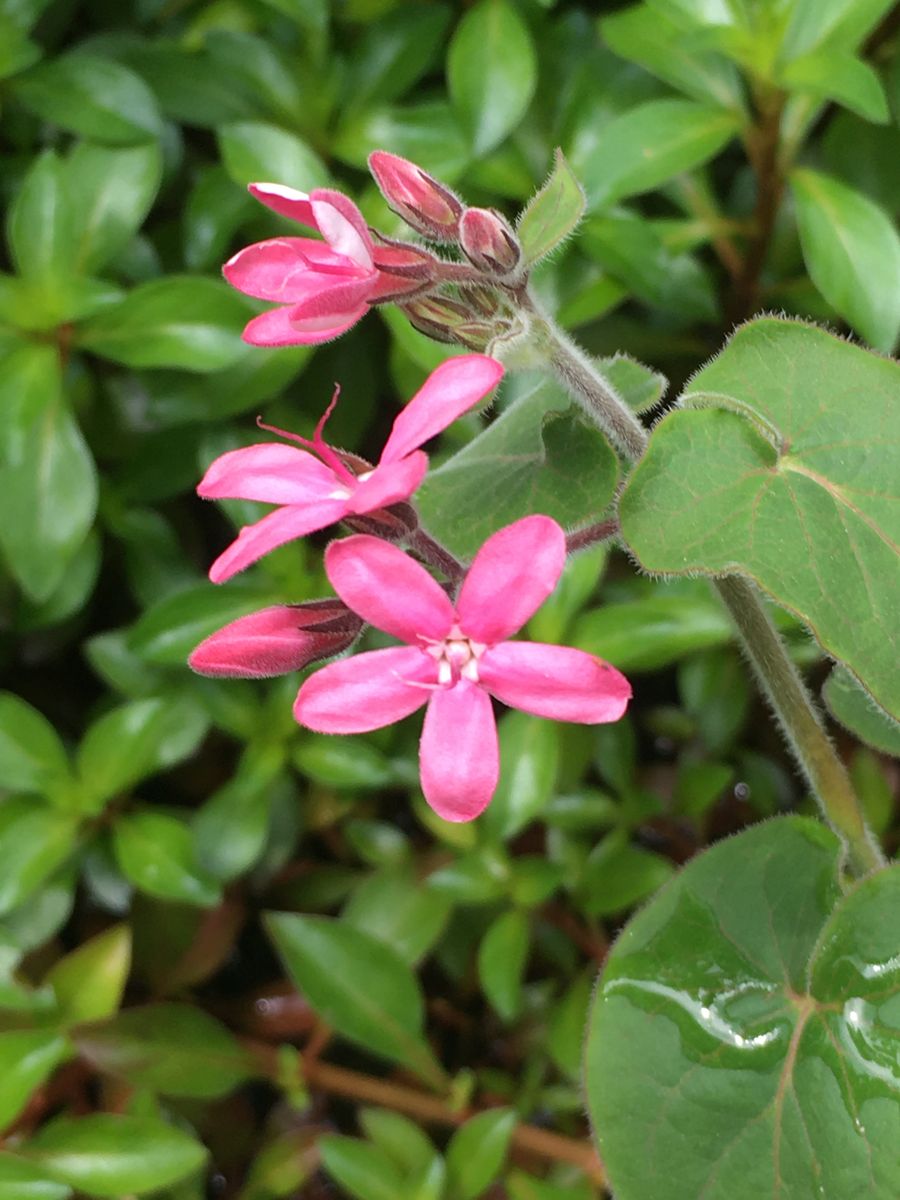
x,y
746,1028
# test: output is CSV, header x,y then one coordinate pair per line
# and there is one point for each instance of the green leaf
x,y
649,144
156,853
90,980
172,1049
838,22
110,192
110,1155
765,1063
214,211
810,521
365,1171
34,840
565,1030
400,1138
40,223
181,321
93,96
394,52
658,43
254,151
502,958
32,757
428,133
715,692
358,984
27,1058
538,457
853,707
529,759
618,875
491,71
48,482
21,1181
852,251
136,740
552,213
477,1151
836,75
168,631
405,914
639,386
230,829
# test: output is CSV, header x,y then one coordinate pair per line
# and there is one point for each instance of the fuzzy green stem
x,y
778,678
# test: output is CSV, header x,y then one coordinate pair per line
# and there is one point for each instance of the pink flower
x,y
422,201
323,287
456,657
276,640
314,492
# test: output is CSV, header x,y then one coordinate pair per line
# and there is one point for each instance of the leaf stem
x,y
435,555
777,676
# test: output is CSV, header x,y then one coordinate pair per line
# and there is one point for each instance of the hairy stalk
x,y
777,676
591,535
435,555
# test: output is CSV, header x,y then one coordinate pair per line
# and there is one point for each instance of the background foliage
x,y
410,1022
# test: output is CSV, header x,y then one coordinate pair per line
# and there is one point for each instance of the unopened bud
x,y
277,640
489,242
424,204
436,317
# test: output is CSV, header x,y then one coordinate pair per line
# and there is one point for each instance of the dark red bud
x,y
277,640
489,242
425,204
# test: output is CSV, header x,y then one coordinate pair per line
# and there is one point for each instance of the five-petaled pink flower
x,y
323,287
314,492
456,657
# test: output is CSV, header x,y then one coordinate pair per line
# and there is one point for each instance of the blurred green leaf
x,y
172,1049
253,151
529,760
20,1180
647,145
816,508
110,192
214,211
89,981
364,1170
359,985
853,707
180,321
477,1151
539,456
394,52
136,740
552,213
876,795
168,631
48,483
27,1058
407,915
715,692
230,829
619,875
428,133
32,757
34,840
491,71
400,1138
502,958
804,982
852,251
344,763
566,1027
156,853
111,1155
40,223
93,96
836,75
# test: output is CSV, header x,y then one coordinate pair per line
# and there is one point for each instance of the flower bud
x,y
436,317
424,204
489,242
277,640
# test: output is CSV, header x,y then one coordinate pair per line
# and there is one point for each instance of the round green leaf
x,y
93,96
358,984
108,1155
793,488
491,71
852,250
743,1038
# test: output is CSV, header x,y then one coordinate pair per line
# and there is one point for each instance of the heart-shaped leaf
x,y
743,1041
792,487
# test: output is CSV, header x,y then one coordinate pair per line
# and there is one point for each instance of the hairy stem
x,y
777,676
435,555
590,535
800,720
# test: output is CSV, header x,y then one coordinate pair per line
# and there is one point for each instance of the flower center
x,y
456,656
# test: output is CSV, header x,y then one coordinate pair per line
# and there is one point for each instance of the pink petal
x,y
273,641
274,328
272,531
342,225
271,472
513,574
334,297
389,482
286,201
388,589
458,755
554,681
456,386
367,691
327,326
280,269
